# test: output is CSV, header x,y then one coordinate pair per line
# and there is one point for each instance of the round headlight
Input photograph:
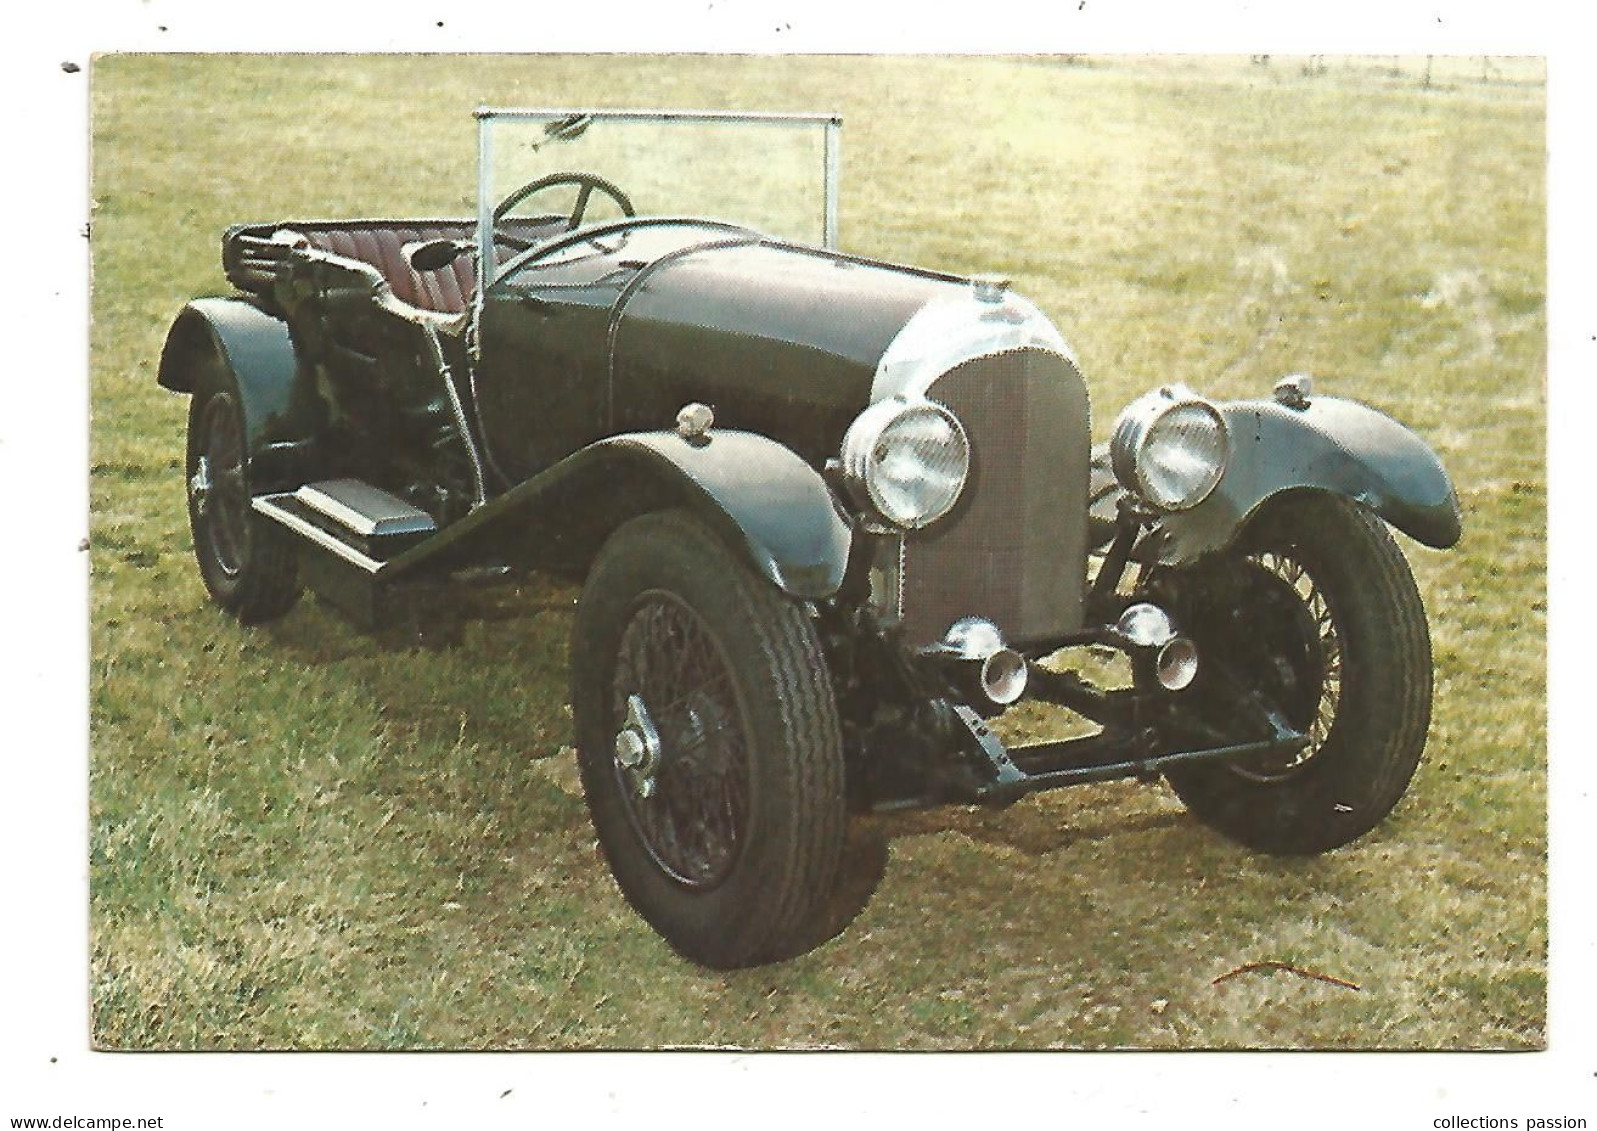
x,y
907,460
1169,448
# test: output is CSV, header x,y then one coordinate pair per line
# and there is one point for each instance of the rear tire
x,y
247,569
1317,612
726,835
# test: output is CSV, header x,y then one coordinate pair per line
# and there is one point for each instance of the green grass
x,y
305,838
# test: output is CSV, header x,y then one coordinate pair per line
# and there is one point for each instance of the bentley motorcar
x,y
830,516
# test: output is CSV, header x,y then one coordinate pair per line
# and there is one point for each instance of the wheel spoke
x,y
1299,656
219,488
693,820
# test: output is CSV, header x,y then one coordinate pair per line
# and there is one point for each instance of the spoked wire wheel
x,y
1315,619
1295,657
218,496
691,808
246,571
709,745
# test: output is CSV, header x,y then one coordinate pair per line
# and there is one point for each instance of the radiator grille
x,y
1014,548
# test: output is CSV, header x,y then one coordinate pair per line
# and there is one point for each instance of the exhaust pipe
x,y
977,661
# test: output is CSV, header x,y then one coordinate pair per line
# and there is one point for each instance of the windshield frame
x,y
488,271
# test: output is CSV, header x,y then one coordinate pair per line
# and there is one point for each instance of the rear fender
x,y
216,341
766,503
1332,445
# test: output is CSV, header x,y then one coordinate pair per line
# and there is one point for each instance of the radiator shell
x,y
1014,549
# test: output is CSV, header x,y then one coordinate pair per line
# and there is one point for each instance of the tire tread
x,y
1368,761
783,909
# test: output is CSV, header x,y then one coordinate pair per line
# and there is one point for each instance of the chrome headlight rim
x,y
1137,430
864,456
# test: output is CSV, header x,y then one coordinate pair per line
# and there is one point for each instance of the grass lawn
x,y
306,838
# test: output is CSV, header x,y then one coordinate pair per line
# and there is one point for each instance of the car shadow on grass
x,y
1031,830
314,633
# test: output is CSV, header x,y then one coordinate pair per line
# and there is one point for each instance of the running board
x,y
346,532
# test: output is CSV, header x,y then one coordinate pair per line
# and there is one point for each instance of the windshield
x,y
542,173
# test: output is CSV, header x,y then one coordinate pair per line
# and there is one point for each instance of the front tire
x,y
709,746
1318,614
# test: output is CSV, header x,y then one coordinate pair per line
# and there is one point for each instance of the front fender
x,y
1331,445
762,495
761,498
216,341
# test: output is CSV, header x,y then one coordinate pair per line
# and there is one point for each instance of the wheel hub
x,y
637,748
218,489
200,486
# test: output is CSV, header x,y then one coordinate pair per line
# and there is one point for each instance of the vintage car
x,y
831,516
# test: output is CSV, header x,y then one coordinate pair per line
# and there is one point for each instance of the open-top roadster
x,y
830,515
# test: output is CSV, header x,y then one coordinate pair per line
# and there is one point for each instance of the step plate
x,y
360,523
364,510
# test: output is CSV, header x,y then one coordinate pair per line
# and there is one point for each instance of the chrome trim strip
x,y
834,158
660,115
267,505
487,259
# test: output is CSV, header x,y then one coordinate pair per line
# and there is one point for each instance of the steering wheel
x,y
587,183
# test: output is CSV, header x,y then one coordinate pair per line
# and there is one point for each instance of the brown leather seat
x,y
381,243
